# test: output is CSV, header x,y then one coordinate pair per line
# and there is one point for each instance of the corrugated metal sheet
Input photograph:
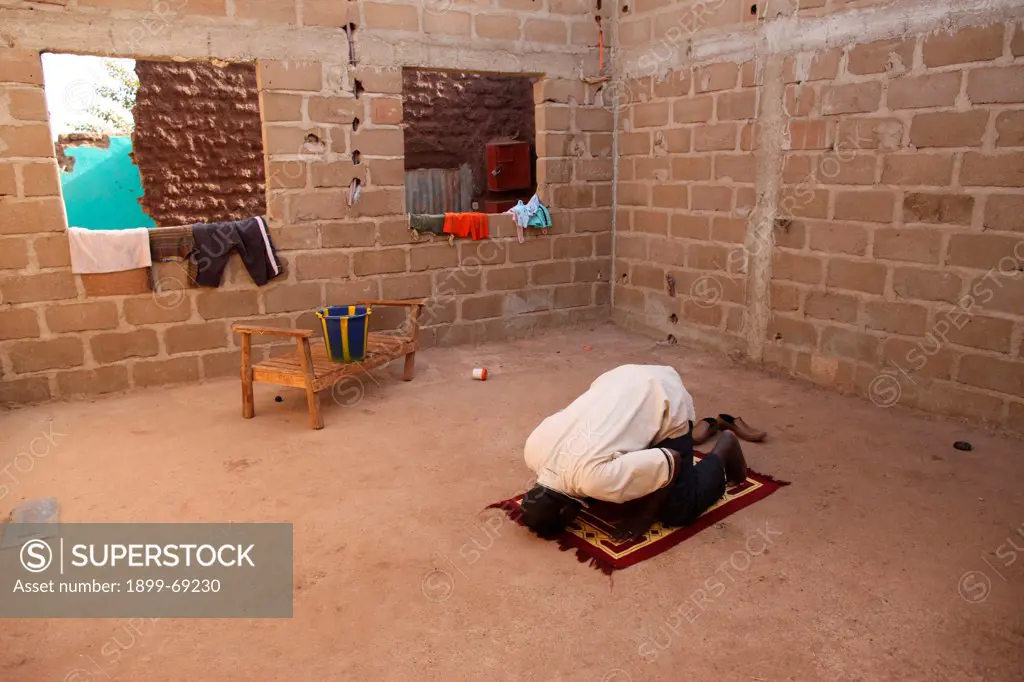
x,y
439,190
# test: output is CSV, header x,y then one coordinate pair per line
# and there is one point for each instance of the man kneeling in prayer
x,y
628,437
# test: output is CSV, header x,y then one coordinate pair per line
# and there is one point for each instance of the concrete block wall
x,y
828,188
63,335
836,190
686,192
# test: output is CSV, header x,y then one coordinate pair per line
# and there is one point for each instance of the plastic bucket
x,y
346,328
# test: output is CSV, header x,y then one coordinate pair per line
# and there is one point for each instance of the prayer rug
x,y
590,534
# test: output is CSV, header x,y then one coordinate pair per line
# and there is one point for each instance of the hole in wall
x,y
350,33
624,278
108,113
354,189
313,146
625,9
598,5
356,157
753,10
355,124
489,159
359,89
670,285
673,318
671,340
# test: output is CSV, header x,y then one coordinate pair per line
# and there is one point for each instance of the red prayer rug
x,y
590,534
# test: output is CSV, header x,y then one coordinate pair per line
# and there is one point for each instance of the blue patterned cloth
x,y
531,214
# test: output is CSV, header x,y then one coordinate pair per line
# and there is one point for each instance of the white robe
x,y
600,445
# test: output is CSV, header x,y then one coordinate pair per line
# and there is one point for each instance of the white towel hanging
x,y
97,251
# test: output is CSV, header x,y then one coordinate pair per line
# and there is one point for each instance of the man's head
x,y
547,512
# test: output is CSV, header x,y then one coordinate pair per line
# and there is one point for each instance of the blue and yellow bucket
x,y
346,328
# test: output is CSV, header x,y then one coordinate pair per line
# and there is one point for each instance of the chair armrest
x,y
415,302
271,331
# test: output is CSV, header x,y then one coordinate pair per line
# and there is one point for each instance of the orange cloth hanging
x,y
474,225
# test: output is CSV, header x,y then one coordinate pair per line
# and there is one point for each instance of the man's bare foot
x,y
728,449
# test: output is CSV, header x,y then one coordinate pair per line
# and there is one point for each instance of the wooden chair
x,y
309,367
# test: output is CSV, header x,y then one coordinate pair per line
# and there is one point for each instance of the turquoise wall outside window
x,y
103,188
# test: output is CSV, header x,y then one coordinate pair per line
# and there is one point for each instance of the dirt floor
x,y
887,561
